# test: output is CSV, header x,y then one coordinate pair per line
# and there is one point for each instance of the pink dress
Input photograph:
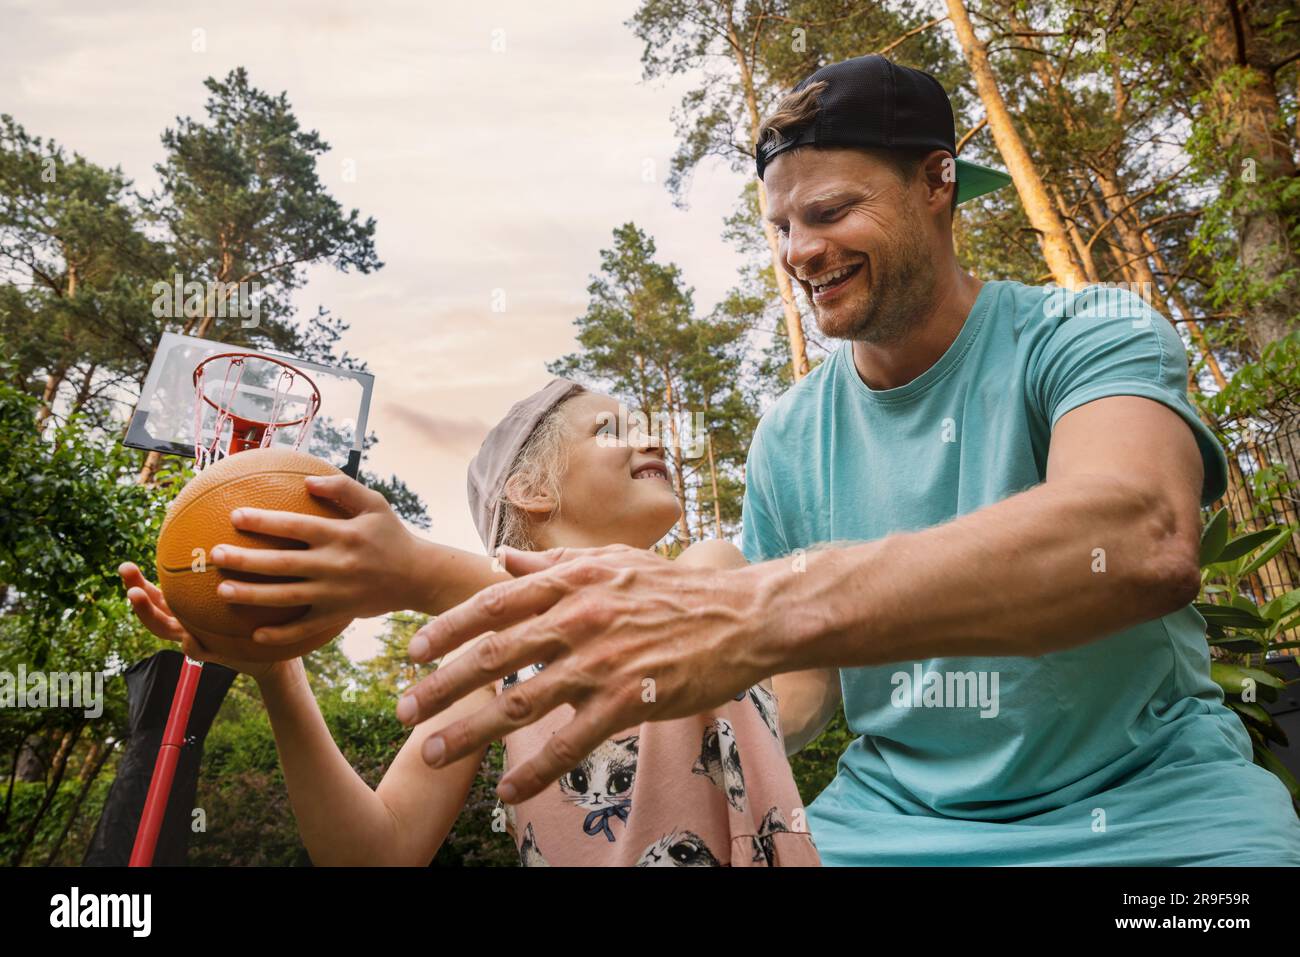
x,y
713,790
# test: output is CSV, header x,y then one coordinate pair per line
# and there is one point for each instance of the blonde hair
x,y
538,469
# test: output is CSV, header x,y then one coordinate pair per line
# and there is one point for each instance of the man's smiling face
x,y
854,237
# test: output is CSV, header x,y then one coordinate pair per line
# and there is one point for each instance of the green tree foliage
x,y
76,266
1241,631
72,513
80,255
241,202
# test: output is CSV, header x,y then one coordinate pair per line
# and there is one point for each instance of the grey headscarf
x,y
491,466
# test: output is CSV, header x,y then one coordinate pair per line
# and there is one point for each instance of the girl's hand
x,y
355,567
151,608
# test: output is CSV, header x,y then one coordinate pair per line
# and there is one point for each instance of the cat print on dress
x,y
679,849
765,702
764,843
602,784
601,787
529,855
720,760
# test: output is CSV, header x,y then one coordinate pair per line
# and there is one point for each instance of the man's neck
x,y
893,364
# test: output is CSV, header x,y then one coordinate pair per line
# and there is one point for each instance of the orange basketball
x,y
199,519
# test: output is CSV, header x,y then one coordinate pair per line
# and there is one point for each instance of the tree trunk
x,y
83,393
1082,250
95,760
30,766
66,744
713,478
92,755
53,380
52,789
1050,83
793,321
1250,126
152,461
9,791
679,467
1052,234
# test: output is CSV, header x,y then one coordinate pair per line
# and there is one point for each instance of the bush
x,y
27,799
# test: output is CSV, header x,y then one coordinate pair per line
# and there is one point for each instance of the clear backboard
x,y
164,420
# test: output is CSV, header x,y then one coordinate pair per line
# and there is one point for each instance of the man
x,y
1014,638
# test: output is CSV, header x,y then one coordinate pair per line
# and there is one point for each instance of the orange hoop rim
x,y
314,403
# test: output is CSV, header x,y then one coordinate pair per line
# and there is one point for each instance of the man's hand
x,y
626,637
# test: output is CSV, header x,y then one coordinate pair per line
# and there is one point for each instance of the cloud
x,y
455,436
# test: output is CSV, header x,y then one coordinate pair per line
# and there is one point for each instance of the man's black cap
x,y
871,102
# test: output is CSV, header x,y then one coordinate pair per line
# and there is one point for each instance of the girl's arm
x,y
342,821
806,701
447,576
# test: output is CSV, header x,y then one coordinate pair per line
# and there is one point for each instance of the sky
x,y
496,144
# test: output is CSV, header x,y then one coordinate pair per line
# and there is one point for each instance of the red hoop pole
x,y
164,769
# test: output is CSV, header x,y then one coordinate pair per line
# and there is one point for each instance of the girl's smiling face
x,y
616,487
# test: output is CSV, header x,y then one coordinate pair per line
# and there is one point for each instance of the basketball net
x,y
245,432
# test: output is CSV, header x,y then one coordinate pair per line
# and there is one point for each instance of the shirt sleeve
x,y
761,536
1108,341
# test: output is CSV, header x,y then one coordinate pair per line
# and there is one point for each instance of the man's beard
x,y
899,293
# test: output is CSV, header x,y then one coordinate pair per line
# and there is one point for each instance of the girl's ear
x,y
537,502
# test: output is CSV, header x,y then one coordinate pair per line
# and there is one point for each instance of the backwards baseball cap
x,y
873,103
490,468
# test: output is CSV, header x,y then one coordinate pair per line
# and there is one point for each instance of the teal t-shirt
x,y
1120,751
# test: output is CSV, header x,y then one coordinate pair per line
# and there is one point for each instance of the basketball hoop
x,y
221,416
231,412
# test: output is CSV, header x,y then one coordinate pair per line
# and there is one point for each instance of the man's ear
x,y
939,173
536,502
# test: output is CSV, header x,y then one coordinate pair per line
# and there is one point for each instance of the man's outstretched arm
x,y
1108,541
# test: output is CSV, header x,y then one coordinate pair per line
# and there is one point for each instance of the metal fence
x,y
1264,490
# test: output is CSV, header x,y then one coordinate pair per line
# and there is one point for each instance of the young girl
x,y
710,790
